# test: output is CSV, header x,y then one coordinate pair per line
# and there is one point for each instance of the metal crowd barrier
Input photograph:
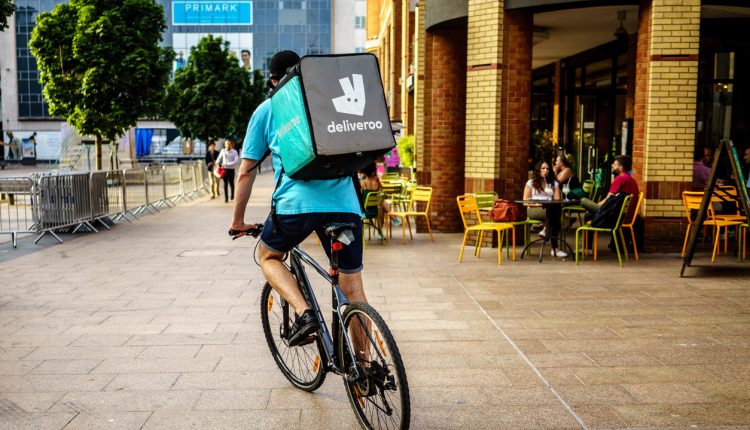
x,y
64,203
53,202
17,213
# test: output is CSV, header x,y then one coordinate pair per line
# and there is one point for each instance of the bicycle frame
x,y
329,341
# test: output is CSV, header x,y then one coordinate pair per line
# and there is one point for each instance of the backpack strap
x,y
358,190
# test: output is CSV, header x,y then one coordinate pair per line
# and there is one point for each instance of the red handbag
x,y
220,172
507,211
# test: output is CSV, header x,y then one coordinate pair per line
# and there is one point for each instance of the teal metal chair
x,y
615,232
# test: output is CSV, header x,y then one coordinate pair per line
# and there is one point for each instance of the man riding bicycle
x,y
301,207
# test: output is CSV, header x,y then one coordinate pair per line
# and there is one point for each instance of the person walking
x,y
229,159
211,156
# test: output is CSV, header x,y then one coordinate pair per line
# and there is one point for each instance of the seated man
x,y
623,182
701,171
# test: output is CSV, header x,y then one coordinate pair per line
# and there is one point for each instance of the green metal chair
x,y
485,200
391,176
742,245
615,232
373,206
578,210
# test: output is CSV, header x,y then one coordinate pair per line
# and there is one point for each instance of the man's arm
x,y
244,187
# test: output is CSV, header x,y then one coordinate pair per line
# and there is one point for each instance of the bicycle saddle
x,y
335,228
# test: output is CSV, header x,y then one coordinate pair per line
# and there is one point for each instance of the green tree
x,y
212,96
256,93
6,10
101,64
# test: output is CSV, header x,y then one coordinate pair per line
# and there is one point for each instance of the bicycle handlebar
x,y
254,232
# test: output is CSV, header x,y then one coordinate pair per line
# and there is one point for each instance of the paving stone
x,y
58,367
221,420
109,420
36,421
46,383
234,399
156,365
14,403
143,382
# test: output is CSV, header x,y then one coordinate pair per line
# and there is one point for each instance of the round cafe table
x,y
546,204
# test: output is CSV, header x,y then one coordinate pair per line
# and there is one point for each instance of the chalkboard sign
x,y
726,149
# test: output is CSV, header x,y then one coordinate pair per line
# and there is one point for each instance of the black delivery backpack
x,y
330,116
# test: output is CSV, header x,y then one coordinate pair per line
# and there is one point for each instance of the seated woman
x,y
565,175
543,187
371,183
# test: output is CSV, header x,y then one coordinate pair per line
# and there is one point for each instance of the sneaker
x,y
543,233
559,253
304,325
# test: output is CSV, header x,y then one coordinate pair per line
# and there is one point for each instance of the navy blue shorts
x,y
296,228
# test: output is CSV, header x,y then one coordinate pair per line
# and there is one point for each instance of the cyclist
x,y
301,208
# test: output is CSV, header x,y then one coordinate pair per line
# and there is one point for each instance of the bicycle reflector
x,y
337,246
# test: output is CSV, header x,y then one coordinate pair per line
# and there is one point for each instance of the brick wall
x,y
498,98
665,105
483,91
445,77
664,234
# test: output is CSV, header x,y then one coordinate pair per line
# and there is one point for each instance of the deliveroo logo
x,y
353,100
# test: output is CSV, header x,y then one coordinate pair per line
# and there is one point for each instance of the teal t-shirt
x,y
296,196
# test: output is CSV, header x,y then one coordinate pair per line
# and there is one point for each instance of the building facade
x,y
499,84
259,27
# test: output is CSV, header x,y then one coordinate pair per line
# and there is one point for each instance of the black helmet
x,y
280,62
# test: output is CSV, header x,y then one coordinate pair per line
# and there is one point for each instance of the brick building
x,y
479,81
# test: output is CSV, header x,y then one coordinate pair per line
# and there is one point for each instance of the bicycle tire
x,y
379,339
302,365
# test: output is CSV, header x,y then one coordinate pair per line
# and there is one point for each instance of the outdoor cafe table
x,y
546,204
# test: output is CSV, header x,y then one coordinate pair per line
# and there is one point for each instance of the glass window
x,y
599,74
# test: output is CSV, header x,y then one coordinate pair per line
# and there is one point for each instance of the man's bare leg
x,y
281,279
353,289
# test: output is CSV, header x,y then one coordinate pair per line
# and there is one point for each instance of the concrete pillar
x,y
498,98
665,109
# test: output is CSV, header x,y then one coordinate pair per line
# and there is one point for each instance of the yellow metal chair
x,y
692,201
629,225
419,196
613,231
725,194
467,204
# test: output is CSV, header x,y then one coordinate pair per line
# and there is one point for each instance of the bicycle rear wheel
x,y
302,365
381,398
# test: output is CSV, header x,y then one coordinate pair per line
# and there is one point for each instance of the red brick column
x,y
443,147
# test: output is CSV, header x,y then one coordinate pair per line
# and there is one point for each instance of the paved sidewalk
x,y
155,325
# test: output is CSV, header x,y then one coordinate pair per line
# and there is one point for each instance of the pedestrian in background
x,y
211,156
229,159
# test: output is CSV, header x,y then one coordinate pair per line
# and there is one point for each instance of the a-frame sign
x,y
726,150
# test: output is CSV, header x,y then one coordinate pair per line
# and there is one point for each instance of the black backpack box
x,y
330,116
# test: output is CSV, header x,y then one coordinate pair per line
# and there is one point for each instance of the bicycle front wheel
x,y
302,365
380,398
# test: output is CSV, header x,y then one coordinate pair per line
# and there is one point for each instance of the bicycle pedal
x,y
306,341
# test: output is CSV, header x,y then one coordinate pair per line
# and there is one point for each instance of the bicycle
x,y
373,375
